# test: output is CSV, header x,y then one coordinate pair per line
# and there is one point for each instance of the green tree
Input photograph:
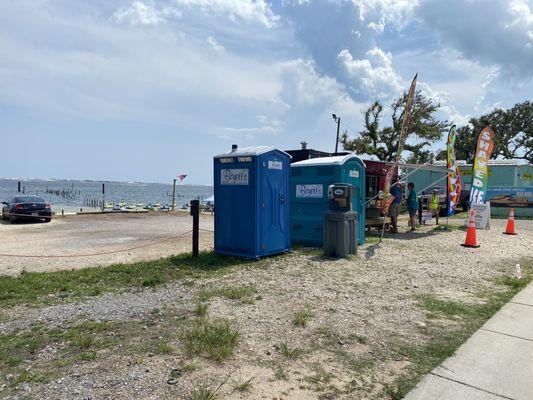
x,y
382,142
513,134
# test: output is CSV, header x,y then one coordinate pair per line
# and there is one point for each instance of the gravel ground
x,y
88,234
360,309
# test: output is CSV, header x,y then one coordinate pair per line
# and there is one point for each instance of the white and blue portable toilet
x,y
252,212
310,180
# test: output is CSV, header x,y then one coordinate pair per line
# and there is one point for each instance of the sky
x,y
144,90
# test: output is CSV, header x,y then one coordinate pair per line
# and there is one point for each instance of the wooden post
x,y
195,212
18,186
174,195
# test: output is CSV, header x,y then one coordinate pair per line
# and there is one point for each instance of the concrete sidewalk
x,y
495,363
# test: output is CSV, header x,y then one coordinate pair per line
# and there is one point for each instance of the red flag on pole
x,y
182,177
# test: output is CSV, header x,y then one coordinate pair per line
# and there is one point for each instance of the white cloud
x,y
494,35
214,43
139,13
246,10
397,13
446,102
373,75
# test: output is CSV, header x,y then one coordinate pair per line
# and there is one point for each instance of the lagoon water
x,y
116,192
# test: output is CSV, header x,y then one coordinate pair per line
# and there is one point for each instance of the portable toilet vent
x,y
310,180
252,213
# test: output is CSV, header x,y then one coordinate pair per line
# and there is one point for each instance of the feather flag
x,y
401,140
480,169
454,174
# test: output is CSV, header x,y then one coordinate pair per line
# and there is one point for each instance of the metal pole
x,y
195,212
174,195
103,197
18,187
338,128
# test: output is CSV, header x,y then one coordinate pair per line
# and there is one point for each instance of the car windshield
x,y
28,199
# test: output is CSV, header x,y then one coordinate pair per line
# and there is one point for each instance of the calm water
x,y
116,192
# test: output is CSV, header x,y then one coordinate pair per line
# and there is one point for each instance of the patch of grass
x,y
159,346
447,308
214,339
202,394
201,309
244,294
291,353
280,374
88,356
189,367
321,379
301,317
444,342
34,377
53,287
241,386
153,280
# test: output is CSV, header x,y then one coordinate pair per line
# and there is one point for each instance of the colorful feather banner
x,y
480,169
454,174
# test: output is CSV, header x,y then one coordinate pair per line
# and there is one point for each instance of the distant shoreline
x,y
96,181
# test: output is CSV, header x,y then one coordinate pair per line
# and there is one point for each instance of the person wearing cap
x,y
434,204
412,205
394,209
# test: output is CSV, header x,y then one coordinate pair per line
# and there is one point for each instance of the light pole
x,y
338,121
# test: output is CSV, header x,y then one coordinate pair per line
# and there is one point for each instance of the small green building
x,y
510,185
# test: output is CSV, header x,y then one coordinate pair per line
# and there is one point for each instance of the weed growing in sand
x,y
189,367
280,374
202,394
290,353
301,318
242,387
214,339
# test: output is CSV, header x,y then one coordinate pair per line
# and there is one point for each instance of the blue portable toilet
x,y
309,195
252,204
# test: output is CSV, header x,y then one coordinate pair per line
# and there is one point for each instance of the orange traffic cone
x,y
510,224
471,231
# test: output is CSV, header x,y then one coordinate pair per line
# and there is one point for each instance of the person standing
x,y
412,204
434,207
394,208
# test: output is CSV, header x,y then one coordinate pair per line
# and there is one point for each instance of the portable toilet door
x,y
251,186
275,204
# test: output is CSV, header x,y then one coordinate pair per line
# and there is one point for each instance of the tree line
x,y
513,129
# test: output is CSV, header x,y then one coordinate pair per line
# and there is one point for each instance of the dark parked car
x,y
26,207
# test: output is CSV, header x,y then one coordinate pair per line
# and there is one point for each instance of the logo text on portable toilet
x,y
234,176
275,165
309,191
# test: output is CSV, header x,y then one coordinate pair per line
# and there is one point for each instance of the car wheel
x,y
12,219
47,219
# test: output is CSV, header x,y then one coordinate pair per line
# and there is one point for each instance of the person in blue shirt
x,y
394,208
412,204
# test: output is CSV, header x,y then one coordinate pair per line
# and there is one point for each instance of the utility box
x,y
252,214
310,180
